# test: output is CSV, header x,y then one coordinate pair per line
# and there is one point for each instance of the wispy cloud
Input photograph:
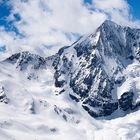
x,y
45,23
117,10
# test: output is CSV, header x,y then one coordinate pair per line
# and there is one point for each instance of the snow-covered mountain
x,y
98,66
89,90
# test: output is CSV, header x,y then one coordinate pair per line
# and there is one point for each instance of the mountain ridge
x,y
103,56
89,90
93,67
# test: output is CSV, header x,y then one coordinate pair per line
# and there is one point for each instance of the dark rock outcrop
x,y
24,59
3,97
90,67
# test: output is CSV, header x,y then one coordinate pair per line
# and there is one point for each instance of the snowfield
x,y
35,111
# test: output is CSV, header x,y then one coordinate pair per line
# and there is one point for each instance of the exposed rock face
x,y
67,114
3,97
24,59
93,67
28,63
126,101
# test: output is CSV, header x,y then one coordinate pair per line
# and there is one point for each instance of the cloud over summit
x,y
57,23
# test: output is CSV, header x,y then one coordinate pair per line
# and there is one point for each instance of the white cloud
x,y
73,16
117,10
54,22
48,26
108,5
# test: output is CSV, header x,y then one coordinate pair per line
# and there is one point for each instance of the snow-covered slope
x,y
34,109
58,97
96,68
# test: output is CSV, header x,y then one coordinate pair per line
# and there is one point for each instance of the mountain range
x,y
89,90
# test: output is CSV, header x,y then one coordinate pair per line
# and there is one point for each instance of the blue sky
x,y
88,1
5,10
135,8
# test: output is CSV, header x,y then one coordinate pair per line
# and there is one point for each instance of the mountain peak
x,y
91,69
95,66
109,24
25,58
